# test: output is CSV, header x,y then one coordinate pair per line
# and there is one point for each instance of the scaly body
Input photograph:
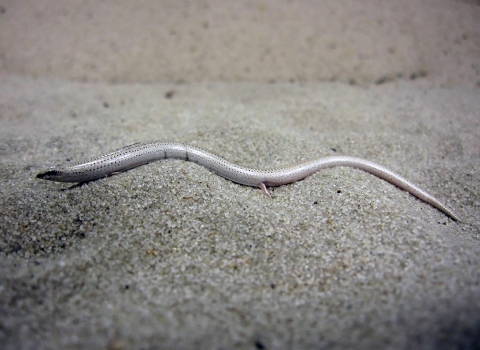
x,y
142,153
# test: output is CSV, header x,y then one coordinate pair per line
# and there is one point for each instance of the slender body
x,y
142,153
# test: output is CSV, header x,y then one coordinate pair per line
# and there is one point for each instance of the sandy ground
x,y
170,255
356,42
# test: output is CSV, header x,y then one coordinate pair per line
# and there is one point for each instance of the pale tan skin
x,y
142,153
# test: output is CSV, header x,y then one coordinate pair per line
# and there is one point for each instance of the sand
x,y
170,255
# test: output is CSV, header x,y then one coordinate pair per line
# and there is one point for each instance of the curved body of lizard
x,y
142,153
